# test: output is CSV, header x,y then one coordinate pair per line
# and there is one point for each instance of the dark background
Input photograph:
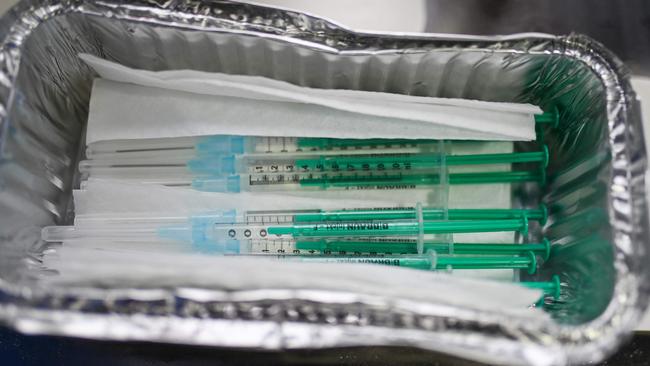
x,y
17,349
621,25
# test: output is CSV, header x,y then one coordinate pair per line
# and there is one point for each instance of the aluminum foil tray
x,y
598,209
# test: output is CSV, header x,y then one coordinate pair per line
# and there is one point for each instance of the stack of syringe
x,y
420,237
247,163
243,163
406,237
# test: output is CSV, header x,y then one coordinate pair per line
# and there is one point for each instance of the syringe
x,y
291,246
346,181
250,225
282,182
428,213
316,215
410,246
225,164
227,144
225,234
398,228
426,261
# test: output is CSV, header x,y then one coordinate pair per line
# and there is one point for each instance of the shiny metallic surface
x,y
598,211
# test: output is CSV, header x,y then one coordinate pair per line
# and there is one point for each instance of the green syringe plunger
x,y
410,247
399,228
540,214
417,161
429,261
389,179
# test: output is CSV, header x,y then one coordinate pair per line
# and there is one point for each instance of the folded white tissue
x,y
129,104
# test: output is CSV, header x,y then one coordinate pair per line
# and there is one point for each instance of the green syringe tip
x,y
551,118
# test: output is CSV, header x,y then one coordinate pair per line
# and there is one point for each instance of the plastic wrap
x,y
598,219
